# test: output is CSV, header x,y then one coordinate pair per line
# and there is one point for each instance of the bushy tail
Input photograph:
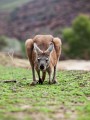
x,y
57,45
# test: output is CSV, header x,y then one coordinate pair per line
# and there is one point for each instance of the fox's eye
x,y
47,59
38,59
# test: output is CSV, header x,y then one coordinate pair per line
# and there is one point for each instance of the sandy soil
x,y
74,65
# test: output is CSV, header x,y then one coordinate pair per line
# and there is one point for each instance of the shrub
x,y
3,42
78,38
10,45
23,50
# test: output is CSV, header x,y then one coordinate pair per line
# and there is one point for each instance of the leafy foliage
x,y
3,42
78,38
9,44
23,49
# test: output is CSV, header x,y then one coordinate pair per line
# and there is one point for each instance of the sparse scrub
x,y
12,45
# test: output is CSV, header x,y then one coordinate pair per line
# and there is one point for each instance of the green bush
x,y
12,45
23,50
78,38
9,45
3,42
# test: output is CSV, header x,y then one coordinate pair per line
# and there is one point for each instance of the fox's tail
x,y
57,44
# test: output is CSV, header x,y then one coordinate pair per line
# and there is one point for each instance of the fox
x,y
43,52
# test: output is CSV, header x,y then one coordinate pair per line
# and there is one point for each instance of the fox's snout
x,y
42,67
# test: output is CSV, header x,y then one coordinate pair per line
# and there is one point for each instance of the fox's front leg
x,y
40,80
43,75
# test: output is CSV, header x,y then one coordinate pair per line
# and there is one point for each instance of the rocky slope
x,y
44,17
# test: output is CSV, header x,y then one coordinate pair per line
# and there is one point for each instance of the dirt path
x,y
74,65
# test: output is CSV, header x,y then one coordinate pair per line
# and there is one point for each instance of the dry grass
x,y
6,60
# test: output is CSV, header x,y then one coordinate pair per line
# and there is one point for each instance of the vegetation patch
x,y
67,100
77,38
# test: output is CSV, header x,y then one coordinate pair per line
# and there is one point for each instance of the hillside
x,y
44,17
9,5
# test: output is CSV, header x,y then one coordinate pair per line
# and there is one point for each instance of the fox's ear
x,y
37,49
50,48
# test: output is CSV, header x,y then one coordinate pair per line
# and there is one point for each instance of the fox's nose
x,y
41,66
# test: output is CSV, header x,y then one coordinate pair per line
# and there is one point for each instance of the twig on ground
x,y
8,81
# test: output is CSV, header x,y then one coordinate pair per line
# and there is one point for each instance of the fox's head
x,y
43,57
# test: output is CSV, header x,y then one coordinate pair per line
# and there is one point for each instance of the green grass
x,y
68,100
11,4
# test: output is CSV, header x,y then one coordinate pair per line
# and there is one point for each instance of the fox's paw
x,y
40,81
33,83
54,82
50,82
